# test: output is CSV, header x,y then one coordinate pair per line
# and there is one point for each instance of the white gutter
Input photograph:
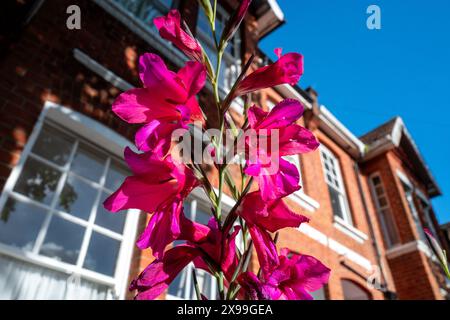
x,y
341,132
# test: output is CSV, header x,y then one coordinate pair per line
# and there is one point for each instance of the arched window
x,y
353,291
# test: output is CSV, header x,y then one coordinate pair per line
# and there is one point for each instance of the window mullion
x,y
62,180
92,216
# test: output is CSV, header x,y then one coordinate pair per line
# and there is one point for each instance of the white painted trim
x,y
288,91
305,201
403,178
349,230
417,245
102,71
340,130
87,128
276,9
336,246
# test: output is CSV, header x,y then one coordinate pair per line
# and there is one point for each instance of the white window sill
x,y
349,230
305,201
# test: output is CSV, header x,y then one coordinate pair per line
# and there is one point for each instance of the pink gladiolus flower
x,y
262,216
166,102
288,69
270,215
169,28
293,278
204,243
235,21
293,139
158,186
156,278
218,247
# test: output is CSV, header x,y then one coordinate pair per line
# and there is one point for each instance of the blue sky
x,y
366,77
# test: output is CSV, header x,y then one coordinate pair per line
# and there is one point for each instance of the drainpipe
x,y
389,295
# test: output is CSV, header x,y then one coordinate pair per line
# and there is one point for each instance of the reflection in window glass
x,y
146,10
38,181
336,186
106,219
63,240
20,224
61,185
102,254
54,146
88,163
77,198
116,175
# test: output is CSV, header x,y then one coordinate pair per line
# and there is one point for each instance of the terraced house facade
x,y
61,155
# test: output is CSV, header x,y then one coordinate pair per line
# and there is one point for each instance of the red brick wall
x,y
40,66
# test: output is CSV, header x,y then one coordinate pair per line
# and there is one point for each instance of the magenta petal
x,y
132,107
296,139
310,274
148,163
287,70
162,229
156,278
170,29
252,286
192,231
235,20
142,106
156,137
255,116
272,215
193,75
284,182
265,248
159,80
137,193
283,114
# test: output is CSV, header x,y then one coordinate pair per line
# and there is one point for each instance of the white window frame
x,y
386,235
113,143
409,197
427,212
347,216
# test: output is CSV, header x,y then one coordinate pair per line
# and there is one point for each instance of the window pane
x,y
53,145
376,181
77,198
204,284
116,175
102,254
336,203
88,163
63,240
20,224
382,201
319,294
106,219
38,181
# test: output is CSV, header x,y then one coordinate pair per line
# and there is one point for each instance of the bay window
x,y
384,211
336,186
53,226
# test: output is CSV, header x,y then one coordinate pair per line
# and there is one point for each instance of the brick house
x,y
61,154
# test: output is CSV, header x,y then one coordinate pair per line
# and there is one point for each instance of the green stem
x,y
221,285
